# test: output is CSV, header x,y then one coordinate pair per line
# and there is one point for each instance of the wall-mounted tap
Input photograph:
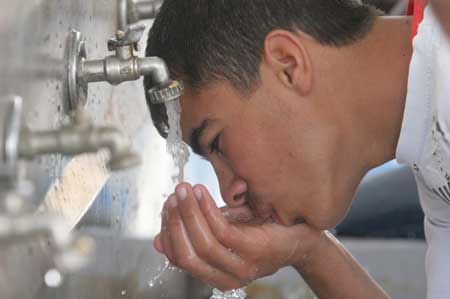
x,y
69,251
115,69
78,137
132,11
19,223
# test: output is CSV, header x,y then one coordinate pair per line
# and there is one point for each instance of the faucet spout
x,y
154,67
121,156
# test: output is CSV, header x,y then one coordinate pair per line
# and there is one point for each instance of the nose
x,y
232,187
235,194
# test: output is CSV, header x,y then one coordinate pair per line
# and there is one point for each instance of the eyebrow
x,y
196,134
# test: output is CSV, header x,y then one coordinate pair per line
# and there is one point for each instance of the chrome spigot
x,y
78,137
115,69
133,11
69,251
121,67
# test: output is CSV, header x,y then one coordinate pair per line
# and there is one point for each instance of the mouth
x,y
286,221
268,214
277,218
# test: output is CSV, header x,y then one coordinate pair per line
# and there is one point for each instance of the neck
x,y
380,75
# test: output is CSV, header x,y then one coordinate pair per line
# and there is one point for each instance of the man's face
x,y
270,151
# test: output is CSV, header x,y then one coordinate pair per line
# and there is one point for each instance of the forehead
x,y
216,101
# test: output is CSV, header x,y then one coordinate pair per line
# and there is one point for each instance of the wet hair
x,y
203,41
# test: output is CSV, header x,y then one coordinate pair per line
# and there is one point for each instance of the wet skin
x,y
195,235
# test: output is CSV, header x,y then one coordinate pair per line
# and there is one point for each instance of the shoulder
x,y
425,135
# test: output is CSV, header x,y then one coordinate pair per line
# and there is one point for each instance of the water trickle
x,y
175,145
157,278
180,154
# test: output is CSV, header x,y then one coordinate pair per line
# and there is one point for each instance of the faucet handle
x,y
131,37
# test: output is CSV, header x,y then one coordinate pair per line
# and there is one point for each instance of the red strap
x,y
416,9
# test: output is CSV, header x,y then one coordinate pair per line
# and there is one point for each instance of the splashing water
x,y
233,294
180,154
157,278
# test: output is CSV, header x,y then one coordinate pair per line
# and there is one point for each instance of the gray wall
x,y
33,37
32,65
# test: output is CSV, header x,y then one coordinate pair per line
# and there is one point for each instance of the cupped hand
x,y
227,248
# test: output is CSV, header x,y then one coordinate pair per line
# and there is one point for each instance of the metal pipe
x,y
93,71
140,10
115,71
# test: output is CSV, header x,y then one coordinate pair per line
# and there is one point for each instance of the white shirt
x,y
424,144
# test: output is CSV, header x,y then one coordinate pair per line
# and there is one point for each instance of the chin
x,y
327,222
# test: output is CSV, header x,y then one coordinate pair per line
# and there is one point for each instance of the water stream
x,y
175,145
180,155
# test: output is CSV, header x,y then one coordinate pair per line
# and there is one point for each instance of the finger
x,y
226,233
186,257
157,244
165,238
203,240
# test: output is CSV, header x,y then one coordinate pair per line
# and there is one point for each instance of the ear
x,y
285,53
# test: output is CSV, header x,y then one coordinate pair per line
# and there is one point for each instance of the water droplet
x,y
53,278
233,294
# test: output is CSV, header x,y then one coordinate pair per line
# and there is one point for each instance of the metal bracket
x,y
76,54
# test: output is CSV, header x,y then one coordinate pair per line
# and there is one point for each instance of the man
x,y
292,102
424,142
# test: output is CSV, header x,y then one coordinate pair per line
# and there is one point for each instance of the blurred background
x,y
115,215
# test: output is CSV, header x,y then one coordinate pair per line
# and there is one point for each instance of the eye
x,y
214,146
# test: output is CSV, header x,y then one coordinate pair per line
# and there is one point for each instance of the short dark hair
x,y
207,40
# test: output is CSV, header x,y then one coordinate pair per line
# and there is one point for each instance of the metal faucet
x,y
115,69
80,136
70,252
18,222
133,11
